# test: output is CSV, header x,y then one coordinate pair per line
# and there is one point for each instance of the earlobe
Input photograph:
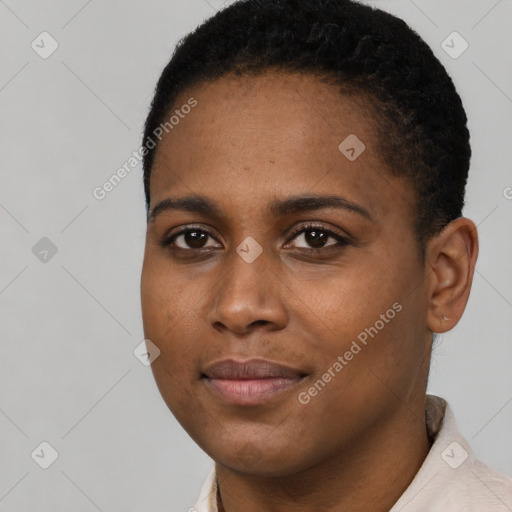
x,y
452,256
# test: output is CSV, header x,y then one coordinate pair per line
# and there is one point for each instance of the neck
x,y
371,475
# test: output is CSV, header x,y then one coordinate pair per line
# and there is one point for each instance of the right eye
x,y
189,239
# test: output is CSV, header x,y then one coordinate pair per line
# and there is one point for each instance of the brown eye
x,y
194,239
317,238
190,239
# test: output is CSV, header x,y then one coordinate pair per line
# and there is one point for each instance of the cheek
x,y
166,313
153,300
165,299
167,323
338,306
365,313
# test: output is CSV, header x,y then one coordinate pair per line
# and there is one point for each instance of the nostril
x,y
259,322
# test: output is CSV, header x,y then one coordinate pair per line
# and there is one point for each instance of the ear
x,y
451,257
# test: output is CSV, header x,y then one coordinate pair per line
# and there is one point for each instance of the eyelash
x,y
168,241
342,240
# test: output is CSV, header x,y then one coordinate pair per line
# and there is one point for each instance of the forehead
x,y
273,134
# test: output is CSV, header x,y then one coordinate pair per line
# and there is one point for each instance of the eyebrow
x,y
196,204
297,204
278,208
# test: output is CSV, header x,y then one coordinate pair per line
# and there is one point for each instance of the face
x,y
282,282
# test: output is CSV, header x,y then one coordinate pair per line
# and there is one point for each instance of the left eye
x,y
317,238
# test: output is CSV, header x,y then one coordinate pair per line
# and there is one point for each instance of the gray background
x,y
70,323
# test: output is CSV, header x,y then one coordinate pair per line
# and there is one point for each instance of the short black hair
x,y
421,122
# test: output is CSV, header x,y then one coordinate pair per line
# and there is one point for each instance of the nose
x,y
248,297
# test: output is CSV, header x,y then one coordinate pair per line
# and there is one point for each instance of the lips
x,y
250,382
252,369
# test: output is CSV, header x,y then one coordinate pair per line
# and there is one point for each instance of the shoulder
x,y
451,478
477,488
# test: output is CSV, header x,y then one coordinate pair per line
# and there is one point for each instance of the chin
x,y
259,460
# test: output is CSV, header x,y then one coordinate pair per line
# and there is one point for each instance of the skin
x,y
250,141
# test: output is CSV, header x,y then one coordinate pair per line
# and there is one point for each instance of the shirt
x,y
451,478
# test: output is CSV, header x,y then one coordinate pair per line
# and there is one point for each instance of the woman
x,y
305,165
